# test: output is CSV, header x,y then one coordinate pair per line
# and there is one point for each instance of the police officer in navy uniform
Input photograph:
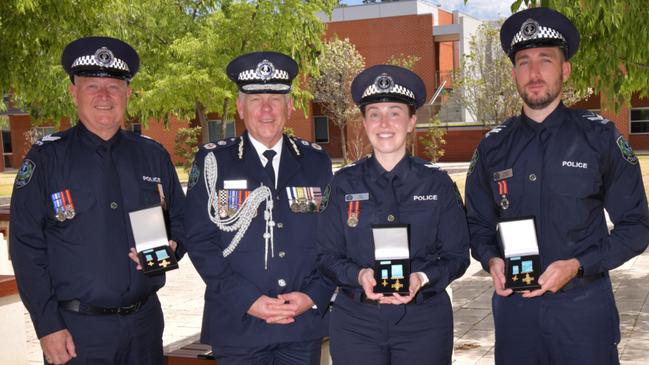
x,y
253,204
70,230
563,167
391,187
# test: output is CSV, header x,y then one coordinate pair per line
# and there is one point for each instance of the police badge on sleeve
x,y
25,173
626,150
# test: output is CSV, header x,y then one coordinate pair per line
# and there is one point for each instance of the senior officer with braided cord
x,y
70,229
253,204
388,190
562,167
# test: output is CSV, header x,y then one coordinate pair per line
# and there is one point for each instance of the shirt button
x,y
281,282
113,205
532,177
280,225
391,218
282,254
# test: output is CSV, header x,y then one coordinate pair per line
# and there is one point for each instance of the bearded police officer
x,y
253,204
370,200
562,167
70,231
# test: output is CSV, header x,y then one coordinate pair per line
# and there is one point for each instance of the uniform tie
x,y
116,235
269,154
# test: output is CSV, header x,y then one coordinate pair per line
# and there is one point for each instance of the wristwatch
x,y
580,272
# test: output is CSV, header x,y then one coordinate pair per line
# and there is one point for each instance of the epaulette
x,y
499,128
305,143
594,117
145,137
220,143
49,138
360,161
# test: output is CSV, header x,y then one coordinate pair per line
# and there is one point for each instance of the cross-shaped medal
x,y
528,279
397,285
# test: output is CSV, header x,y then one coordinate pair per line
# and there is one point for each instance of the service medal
x,y
60,216
504,203
352,221
295,207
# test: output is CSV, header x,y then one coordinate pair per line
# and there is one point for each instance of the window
x,y
136,128
214,129
7,148
639,120
321,128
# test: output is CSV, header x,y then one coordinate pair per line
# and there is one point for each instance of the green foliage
x,y
184,47
289,131
186,145
433,140
403,60
339,63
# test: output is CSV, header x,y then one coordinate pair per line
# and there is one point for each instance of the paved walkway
x,y
182,301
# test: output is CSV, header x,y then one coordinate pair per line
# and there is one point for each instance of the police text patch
x,y
25,173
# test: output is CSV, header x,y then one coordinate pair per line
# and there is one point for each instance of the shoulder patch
x,y
209,146
194,174
626,150
474,161
25,173
594,117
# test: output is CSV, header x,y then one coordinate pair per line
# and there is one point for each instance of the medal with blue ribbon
x,y
59,211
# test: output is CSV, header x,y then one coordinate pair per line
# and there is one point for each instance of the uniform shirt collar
x,y
400,170
260,148
93,141
552,121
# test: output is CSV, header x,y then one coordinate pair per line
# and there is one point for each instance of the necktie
x,y
269,154
115,234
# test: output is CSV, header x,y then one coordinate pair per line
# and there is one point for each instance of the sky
x,y
480,9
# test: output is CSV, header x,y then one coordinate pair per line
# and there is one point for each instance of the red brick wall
x,y
445,18
460,143
165,135
379,39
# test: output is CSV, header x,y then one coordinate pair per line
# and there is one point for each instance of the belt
x,y
84,308
363,299
579,282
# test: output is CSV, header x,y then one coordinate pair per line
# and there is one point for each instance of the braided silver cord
x,y
241,220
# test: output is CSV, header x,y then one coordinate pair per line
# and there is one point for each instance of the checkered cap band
x,y
264,87
91,60
252,75
395,89
541,33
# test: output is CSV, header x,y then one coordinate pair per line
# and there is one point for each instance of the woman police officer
x,y
391,189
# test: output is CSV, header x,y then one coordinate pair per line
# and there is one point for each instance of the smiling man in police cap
x,y
253,205
70,230
561,168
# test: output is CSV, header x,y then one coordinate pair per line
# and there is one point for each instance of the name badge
x,y
235,184
502,175
357,197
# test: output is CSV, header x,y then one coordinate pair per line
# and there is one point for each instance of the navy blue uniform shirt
x,y
235,282
86,257
564,172
414,193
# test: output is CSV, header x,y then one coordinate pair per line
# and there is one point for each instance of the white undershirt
x,y
261,148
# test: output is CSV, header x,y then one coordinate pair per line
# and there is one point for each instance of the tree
x,y
339,63
184,47
484,81
186,145
613,56
433,140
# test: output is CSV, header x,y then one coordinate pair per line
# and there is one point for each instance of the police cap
x,y
100,57
263,73
388,83
539,27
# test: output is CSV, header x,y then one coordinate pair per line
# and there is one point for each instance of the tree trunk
x,y
224,118
202,119
343,141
